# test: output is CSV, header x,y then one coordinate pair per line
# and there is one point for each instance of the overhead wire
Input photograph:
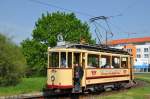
x,y
62,8
87,14
122,31
132,4
121,14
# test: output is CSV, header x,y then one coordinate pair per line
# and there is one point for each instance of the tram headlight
x,y
52,78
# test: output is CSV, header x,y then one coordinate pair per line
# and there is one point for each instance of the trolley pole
x,y
106,38
105,19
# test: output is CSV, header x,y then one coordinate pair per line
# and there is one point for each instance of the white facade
x,y
142,54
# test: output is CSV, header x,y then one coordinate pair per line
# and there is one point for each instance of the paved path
x,y
22,96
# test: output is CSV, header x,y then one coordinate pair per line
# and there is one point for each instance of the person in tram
x,y
78,74
108,66
63,62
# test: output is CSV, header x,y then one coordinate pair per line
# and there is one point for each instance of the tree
x,y
12,62
45,34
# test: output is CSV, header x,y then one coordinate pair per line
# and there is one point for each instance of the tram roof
x,y
101,48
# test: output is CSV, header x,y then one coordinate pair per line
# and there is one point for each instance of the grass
x,y
27,85
134,93
142,76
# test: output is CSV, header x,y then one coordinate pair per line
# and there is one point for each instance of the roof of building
x,y
130,40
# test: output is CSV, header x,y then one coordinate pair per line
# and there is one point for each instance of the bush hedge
x,y
12,62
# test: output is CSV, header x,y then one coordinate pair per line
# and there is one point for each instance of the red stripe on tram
x,y
96,77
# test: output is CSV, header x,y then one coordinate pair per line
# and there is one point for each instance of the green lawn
x,y
26,86
36,84
134,93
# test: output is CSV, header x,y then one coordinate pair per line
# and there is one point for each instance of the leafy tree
x,y
12,62
45,34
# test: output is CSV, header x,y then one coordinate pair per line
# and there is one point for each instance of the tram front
x,y
59,72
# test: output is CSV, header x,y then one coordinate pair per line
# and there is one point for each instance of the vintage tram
x,y
102,66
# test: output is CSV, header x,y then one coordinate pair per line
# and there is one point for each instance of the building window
x,y
145,49
129,50
138,50
146,56
138,56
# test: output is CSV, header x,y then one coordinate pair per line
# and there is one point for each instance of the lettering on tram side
x,y
104,72
113,72
109,72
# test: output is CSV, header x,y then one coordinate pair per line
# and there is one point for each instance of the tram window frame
x,y
107,59
53,60
69,58
94,64
63,60
124,64
116,62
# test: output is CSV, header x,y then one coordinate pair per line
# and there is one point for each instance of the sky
x,y
126,18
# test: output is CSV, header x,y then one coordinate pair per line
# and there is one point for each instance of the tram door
x,y
76,61
79,58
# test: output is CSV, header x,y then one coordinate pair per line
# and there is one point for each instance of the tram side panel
x,y
97,76
59,78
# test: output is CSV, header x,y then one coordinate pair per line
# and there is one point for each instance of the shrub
x,y
12,62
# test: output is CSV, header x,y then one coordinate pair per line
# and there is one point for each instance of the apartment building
x,y
138,47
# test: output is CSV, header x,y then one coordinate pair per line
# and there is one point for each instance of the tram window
x,y
124,62
77,58
105,61
69,59
93,60
63,60
54,59
116,62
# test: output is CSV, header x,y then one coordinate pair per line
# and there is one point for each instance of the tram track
x,y
139,83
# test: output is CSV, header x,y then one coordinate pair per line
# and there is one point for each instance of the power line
x,y
126,32
86,14
128,7
62,8
122,12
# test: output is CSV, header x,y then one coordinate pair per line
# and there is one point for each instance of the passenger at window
x,y
123,65
107,66
63,62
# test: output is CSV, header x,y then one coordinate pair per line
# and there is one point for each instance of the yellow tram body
x,y
92,61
